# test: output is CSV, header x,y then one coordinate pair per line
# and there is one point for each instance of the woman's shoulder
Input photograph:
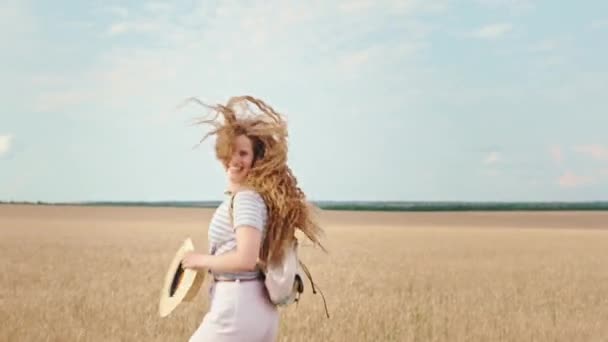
x,y
248,193
248,201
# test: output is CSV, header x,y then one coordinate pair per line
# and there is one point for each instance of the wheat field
x,y
95,274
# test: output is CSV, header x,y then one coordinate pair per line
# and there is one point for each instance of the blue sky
x,y
479,100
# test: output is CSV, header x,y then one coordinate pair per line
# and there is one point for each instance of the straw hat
x,y
180,284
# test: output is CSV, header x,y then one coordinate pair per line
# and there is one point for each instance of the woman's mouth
x,y
235,169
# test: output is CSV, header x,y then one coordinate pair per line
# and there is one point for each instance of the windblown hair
x,y
269,175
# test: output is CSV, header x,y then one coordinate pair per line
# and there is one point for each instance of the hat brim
x,y
180,284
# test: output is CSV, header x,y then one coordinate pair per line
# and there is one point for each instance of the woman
x,y
258,217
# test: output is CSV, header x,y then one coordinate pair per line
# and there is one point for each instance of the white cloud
x,y
353,61
595,151
552,52
15,11
546,45
492,158
511,5
571,180
138,26
554,61
599,24
393,6
5,143
61,100
118,11
118,28
356,5
358,62
18,24
493,31
47,81
159,7
229,48
557,154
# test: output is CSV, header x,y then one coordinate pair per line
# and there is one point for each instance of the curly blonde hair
x,y
269,175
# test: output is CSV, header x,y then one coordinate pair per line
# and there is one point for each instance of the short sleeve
x,y
249,210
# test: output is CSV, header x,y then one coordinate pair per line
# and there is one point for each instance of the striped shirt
x,y
248,209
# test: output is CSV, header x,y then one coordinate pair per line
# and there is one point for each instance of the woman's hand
x,y
194,261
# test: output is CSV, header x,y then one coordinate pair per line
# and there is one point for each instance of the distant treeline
x,y
463,206
372,206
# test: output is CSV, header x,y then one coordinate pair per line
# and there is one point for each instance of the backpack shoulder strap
x,y
231,208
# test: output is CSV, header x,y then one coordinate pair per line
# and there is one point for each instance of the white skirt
x,y
239,311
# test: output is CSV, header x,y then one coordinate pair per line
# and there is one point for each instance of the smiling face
x,y
241,160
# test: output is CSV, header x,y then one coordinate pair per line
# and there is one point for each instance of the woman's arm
x,y
242,259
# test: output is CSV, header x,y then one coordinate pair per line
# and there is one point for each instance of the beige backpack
x,y
284,282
